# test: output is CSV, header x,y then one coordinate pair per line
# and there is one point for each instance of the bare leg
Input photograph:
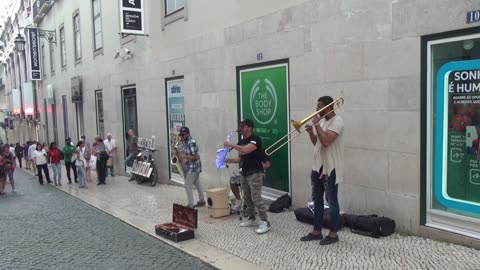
x,y
235,191
12,181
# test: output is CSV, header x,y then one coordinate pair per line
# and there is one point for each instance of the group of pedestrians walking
x,y
80,158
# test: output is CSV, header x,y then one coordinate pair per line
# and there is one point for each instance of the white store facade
x,y
208,64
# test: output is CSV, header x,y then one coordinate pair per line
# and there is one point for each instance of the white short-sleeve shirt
x,y
40,157
332,155
109,145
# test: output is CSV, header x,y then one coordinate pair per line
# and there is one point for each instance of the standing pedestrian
x,y
132,149
192,167
102,158
80,163
3,176
111,148
54,156
31,149
9,163
69,151
26,146
40,160
19,153
251,157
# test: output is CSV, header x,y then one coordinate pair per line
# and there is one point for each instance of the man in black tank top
x,y
251,168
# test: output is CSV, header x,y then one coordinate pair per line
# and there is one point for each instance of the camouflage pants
x,y
252,194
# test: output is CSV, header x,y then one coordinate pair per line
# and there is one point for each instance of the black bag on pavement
x,y
306,215
280,204
372,226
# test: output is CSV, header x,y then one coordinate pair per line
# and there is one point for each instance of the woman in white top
x,y
81,163
39,157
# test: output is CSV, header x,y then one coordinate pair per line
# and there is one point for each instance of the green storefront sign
x,y
264,99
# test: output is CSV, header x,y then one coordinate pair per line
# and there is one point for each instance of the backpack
x,y
103,156
284,202
372,226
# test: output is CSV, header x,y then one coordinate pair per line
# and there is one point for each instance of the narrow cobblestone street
x,y
45,228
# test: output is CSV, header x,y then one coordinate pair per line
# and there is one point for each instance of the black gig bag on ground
x,y
372,226
306,215
280,204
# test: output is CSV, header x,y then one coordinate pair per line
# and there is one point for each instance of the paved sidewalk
x,y
223,244
44,228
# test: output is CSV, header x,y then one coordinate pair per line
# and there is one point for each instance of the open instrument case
x,y
183,225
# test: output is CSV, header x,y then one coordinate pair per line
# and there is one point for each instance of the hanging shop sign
x,y
132,17
33,38
28,105
17,104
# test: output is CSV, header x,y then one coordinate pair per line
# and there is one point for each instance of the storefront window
x,y
453,141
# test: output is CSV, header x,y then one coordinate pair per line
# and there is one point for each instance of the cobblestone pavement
x,y
44,228
281,248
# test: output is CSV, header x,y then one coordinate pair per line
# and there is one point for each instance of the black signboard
x,y
132,20
131,14
132,4
33,41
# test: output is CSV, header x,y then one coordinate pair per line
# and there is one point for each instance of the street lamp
x,y
20,43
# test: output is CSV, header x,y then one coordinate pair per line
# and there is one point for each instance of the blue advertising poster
x,y
457,137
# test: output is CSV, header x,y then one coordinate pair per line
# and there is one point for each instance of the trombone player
x,y
329,138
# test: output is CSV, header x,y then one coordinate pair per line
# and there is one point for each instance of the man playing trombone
x,y
330,134
251,168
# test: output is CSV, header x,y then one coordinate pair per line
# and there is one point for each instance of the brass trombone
x,y
336,104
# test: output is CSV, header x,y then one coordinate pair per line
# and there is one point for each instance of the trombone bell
x,y
297,124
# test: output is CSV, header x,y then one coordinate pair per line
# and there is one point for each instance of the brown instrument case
x,y
183,225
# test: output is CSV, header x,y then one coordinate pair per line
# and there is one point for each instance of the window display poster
x,y
457,136
176,114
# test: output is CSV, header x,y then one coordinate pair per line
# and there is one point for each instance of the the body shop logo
x,y
263,101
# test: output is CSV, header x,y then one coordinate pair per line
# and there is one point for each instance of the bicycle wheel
x,y
139,178
153,175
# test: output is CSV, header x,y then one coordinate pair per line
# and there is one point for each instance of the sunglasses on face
x,y
182,134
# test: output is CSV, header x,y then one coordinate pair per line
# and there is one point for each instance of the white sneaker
x,y
263,227
249,223
237,206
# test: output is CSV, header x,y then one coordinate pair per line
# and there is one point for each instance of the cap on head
x,y
68,139
185,130
247,122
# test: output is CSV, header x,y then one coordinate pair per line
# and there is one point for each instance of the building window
x,y
99,110
63,50
171,6
76,36
65,116
44,72
52,57
97,25
174,10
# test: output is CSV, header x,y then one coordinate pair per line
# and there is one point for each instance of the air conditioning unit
x,y
76,89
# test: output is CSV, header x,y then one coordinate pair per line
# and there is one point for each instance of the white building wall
x,y
365,51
